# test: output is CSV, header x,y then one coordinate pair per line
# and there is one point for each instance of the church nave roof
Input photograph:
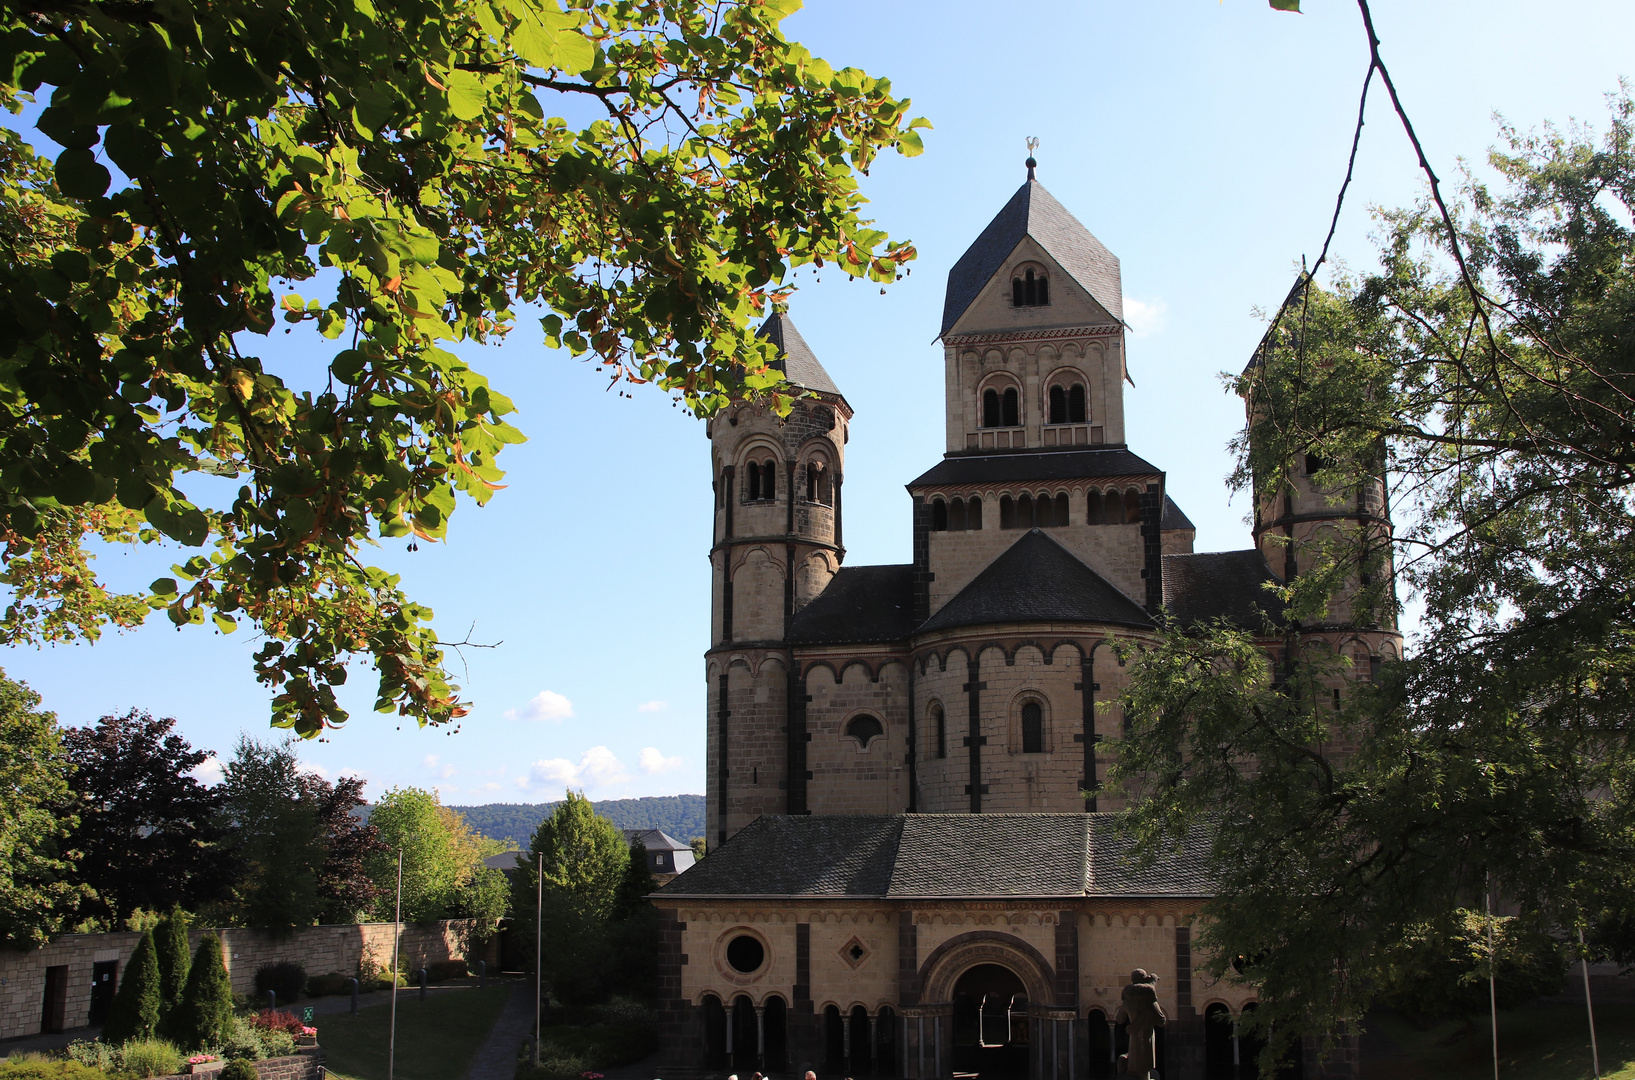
x,y
860,605
1028,466
1230,585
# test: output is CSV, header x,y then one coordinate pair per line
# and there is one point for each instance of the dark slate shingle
x,y
830,855
860,605
1037,580
1174,518
1226,585
799,363
1034,212
1026,466
991,855
1113,872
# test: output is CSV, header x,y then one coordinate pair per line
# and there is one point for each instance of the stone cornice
x,y
1033,335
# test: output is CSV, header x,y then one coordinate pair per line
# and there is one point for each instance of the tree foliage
x,y
649,172
345,890
170,950
37,864
272,833
1497,756
206,1011
146,826
442,859
1440,972
139,1001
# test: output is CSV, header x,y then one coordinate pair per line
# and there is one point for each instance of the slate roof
x,y
1028,465
1220,584
1174,518
799,363
1034,212
1037,580
655,840
942,855
860,605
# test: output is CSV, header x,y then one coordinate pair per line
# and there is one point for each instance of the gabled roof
x,y
798,362
860,605
1034,465
1034,212
942,855
1037,580
1173,518
1228,585
655,840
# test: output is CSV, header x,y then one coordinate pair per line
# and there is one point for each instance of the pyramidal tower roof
x,y
796,359
1034,212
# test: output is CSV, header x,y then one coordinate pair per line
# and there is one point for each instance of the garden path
x,y
496,1059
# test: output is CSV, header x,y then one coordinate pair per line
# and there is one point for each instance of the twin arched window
x,y
957,515
761,480
1030,289
1067,404
1001,408
1027,512
819,486
1113,508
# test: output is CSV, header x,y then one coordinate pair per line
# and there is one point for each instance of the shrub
x,y
285,978
277,1044
207,1000
93,1054
330,985
170,949
441,970
143,1058
624,1010
277,1020
29,1068
239,1070
553,1065
135,1011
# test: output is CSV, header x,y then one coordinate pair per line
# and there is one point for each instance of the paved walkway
x,y
497,1057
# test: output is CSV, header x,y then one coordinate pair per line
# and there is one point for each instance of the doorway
x,y
54,1010
104,977
991,1023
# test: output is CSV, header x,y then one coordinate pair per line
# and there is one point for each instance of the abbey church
x,y
912,866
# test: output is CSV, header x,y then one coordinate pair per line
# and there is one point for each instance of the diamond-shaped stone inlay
x,y
854,952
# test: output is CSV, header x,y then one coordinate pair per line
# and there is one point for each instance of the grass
x,y
436,1039
1540,1042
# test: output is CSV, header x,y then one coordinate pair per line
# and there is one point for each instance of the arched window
x,y
864,728
753,474
1132,507
939,515
1024,512
811,481
1030,289
1007,512
1061,509
1075,404
973,514
1058,405
1011,411
769,480
1092,514
956,515
1033,728
940,723
991,416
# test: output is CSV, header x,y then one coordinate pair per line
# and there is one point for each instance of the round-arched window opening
x,y
746,954
863,728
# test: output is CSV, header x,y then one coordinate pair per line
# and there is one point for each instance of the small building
x,y
666,856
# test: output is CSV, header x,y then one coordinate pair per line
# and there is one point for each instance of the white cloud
x,y
436,765
597,768
653,761
315,770
545,705
208,772
653,706
1146,317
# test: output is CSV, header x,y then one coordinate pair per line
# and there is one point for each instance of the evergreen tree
x,y
207,1000
634,929
170,948
136,1007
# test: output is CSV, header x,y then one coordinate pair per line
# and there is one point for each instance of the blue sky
x,y
1202,142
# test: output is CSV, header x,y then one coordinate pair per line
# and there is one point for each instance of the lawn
x,y
436,1039
1539,1042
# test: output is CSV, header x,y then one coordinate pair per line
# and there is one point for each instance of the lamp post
x,y
397,934
539,952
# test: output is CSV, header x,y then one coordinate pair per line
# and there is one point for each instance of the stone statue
x,y
1138,1007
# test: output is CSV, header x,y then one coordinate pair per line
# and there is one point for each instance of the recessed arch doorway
x,y
991,1025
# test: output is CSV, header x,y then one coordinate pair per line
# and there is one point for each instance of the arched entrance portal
x,y
991,1022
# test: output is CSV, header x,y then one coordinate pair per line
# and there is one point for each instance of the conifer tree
x,y
207,1000
135,1012
170,949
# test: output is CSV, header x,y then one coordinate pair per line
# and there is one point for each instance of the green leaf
x,y
223,623
164,586
910,144
80,175
1285,5
550,38
467,98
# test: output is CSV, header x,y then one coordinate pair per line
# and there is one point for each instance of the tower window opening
x,y
1033,728
1092,513
1058,405
769,480
1336,700
1031,289
1076,404
753,476
1062,517
1011,411
1007,512
939,515
1024,512
811,481
973,514
864,728
1132,507
990,408
941,721
956,515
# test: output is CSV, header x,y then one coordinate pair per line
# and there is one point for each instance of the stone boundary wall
x,y
321,950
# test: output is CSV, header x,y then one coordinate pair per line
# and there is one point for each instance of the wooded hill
x,y
681,816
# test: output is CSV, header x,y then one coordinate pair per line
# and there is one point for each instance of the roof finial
x,y
1033,144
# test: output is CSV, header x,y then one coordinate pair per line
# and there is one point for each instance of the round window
x,y
746,953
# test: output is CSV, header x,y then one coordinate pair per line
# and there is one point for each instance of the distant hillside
x,y
682,816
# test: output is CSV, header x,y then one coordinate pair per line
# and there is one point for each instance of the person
x,y
1139,1008
810,1075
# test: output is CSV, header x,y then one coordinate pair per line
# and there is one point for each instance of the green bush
x,y
93,1053
170,949
601,1046
143,1058
238,1069
443,970
553,1066
137,1002
207,1000
31,1068
285,978
330,985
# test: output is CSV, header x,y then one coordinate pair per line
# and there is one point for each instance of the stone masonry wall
x,y
1113,551
319,949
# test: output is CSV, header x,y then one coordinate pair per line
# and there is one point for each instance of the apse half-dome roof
x,y
1037,580
1034,212
796,359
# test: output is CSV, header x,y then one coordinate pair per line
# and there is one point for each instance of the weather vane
x,y
1033,144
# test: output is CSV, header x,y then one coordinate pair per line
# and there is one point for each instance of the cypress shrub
x,y
207,1001
170,945
239,1069
135,1011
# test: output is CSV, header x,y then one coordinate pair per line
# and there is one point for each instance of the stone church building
x,y
912,869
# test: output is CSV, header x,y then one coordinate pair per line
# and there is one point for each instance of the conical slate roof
x,y
798,362
1034,212
1037,580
